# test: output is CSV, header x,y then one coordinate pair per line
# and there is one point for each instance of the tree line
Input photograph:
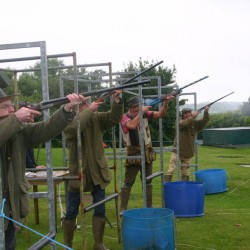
x,y
30,90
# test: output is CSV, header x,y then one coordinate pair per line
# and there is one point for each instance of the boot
x,y
98,225
184,178
149,189
168,178
68,231
125,193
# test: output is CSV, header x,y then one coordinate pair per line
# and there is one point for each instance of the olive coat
x,y
15,138
95,168
188,129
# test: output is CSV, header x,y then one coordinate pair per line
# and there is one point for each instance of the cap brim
x,y
6,98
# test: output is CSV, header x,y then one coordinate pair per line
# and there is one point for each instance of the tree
x,y
245,108
227,120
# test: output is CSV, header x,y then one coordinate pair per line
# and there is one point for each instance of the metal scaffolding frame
x,y
122,155
45,90
44,75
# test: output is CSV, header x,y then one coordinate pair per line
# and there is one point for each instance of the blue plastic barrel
x,y
148,228
215,180
185,198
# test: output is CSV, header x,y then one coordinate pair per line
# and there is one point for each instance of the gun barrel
x,y
174,93
211,103
63,100
106,94
203,78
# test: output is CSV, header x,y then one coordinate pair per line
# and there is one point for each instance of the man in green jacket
x,y
188,128
17,133
95,171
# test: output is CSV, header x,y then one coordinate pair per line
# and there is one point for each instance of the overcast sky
x,y
200,37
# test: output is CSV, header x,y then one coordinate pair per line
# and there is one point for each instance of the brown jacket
x,y
15,138
94,162
188,129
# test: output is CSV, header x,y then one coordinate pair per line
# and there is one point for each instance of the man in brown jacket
x,y
95,170
188,128
17,133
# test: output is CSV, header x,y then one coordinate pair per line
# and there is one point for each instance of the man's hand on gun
x,y
207,108
196,113
168,99
74,100
26,115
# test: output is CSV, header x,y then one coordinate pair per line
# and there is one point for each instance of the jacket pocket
x,y
24,207
104,169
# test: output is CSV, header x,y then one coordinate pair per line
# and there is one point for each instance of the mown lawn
x,y
224,226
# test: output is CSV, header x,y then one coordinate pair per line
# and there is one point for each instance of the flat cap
x,y
186,110
133,101
4,97
4,80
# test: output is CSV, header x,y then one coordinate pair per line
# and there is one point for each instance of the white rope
x,y
62,211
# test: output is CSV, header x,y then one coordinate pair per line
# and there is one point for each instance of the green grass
x,y
225,224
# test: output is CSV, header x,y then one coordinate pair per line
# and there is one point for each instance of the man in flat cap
x,y
17,133
96,173
188,128
130,128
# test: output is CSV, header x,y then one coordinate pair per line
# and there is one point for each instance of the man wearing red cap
x,y
17,133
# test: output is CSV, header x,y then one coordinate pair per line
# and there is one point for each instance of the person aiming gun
x,y
188,128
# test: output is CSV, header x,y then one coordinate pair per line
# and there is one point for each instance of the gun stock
x,y
63,100
211,103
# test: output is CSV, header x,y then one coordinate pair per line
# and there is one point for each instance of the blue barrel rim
x,y
171,213
210,170
183,182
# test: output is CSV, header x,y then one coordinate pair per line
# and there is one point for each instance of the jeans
x,y
73,203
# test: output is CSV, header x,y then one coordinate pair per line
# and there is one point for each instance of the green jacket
x,y
188,129
15,138
94,162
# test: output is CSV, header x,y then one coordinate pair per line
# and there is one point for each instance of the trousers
x,y
185,165
73,203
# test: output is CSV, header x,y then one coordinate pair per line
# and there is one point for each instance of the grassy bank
x,y
225,224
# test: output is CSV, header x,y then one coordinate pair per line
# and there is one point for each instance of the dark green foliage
x,y
30,89
227,120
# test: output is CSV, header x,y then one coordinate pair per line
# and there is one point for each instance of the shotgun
x,y
211,103
63,100
150,102
106,94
